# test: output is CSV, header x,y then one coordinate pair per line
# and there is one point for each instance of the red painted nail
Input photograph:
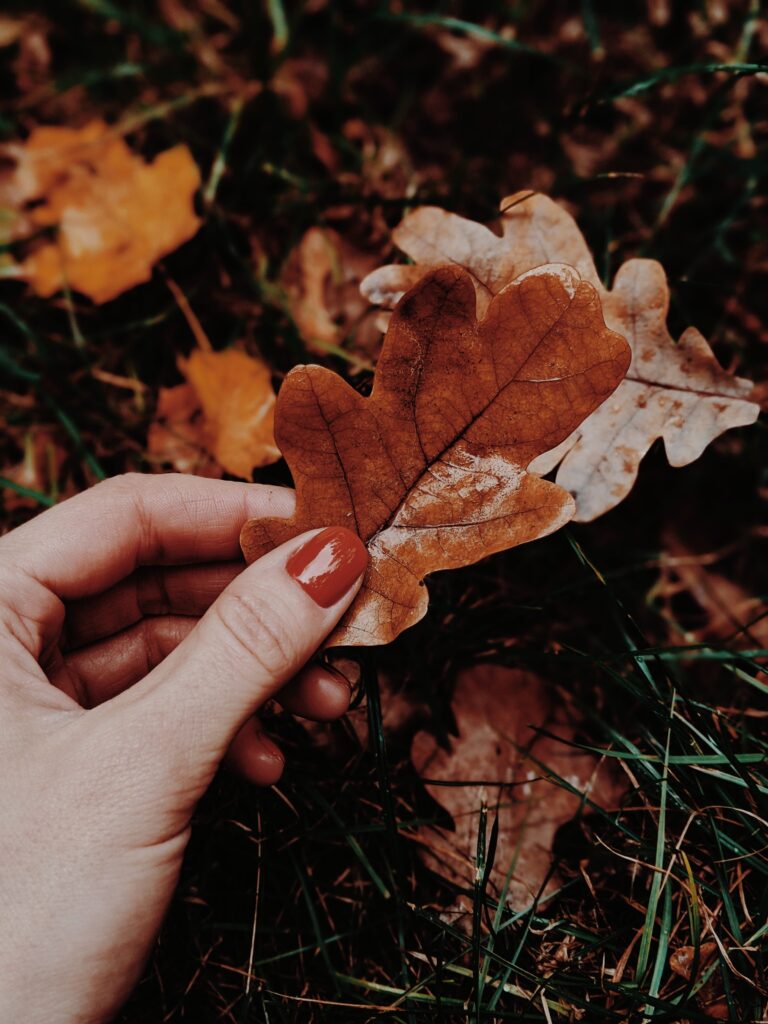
x,y
328,564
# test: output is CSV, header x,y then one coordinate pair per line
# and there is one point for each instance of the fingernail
x,y
328,564
268,750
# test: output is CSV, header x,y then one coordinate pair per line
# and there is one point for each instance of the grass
x,y
309,902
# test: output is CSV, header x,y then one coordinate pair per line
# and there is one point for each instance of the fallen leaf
x,y
678,392
710,995
682,960
115,214
177,436
499,760
322,280
430,470
238,403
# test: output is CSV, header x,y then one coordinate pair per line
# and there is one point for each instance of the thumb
x,y
252,640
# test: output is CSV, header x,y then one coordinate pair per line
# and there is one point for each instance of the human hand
x,y
117,706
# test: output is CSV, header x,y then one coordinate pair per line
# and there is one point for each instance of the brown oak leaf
x,y
431,469
499,760
114,214
678,392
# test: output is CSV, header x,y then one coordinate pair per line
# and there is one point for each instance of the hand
x,y
113,723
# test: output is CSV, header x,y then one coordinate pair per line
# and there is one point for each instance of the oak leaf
x,y
678,392
430,471
115,214
238,403
501,761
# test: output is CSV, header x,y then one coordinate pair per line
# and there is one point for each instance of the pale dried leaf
x,y
682,960
499,760
678,392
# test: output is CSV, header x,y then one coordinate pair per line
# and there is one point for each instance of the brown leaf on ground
x,y
498,760
115,215
238,403
322,280
430,471
177,435
678,392
683,962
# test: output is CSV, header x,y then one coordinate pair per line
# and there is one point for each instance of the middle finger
x,y
151,590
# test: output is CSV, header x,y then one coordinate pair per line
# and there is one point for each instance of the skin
x,y
135,651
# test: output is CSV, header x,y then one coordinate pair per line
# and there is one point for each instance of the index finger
x,y
93,540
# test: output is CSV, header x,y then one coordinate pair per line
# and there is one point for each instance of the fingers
x,y
252,640
316,692
253,754
91,541
151,590
99,672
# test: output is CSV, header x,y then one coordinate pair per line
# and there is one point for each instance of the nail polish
x,y
328,564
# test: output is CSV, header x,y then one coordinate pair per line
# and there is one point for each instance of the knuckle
x,y
260,626
121,483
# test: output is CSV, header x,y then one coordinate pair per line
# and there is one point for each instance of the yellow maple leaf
x,y
238,402
115,214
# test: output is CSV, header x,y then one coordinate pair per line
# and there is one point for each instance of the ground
x,y
649,622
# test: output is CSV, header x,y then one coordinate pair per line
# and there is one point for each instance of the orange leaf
x,y
675,391
238,402
430,470
115,215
